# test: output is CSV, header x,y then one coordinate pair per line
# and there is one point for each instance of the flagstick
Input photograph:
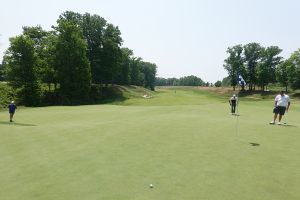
x,y
237,110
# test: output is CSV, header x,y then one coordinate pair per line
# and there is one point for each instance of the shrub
x,y
6,95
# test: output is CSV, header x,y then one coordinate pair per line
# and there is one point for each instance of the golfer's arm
x,y
275,104
289,103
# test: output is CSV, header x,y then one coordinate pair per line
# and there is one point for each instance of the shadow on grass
x,y
288,125
116,100
16,124
254,144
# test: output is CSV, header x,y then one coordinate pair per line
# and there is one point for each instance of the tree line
x,y
76,61
261,66
183,81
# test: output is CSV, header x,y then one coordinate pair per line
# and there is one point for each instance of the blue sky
x,y
183,37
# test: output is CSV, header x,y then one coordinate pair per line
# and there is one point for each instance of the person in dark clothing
x,y
233,102
11,108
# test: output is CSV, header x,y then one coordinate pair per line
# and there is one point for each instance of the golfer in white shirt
x,y
282,104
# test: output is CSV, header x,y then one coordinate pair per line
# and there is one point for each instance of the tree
x,y
267,67
111,53
37,34
93,27
1,72
21,63
252,56
234,64
226,81
218,84
135,69
49,70
293,70
161,81
149,70
44,45
73,66
124,75
282,73
191,81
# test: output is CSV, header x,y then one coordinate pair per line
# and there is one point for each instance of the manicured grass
x,y
185,143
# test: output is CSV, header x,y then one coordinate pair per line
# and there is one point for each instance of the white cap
x,y
12,102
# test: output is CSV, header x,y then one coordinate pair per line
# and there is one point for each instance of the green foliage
x,y
93,27
7,95
226,81
183,81
149,71
124,75
135,70
266,72
191,81
111,53
294,70
257,65
282,73
82,49
2,73
21,63
218,84
73,66
234,63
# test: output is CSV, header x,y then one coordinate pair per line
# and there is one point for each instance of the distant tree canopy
x,y
226,82
184,81
260,66
218,84
82,50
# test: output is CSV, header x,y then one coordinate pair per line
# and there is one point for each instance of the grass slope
x,y
185,143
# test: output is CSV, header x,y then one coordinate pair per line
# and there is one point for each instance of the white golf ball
x,y
151,186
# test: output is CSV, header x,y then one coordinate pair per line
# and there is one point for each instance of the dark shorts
x,y
279,110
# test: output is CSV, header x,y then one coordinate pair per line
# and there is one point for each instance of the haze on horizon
x,y
182,37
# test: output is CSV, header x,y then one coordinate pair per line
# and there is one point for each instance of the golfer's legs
x,y
280,116
11,115
275,116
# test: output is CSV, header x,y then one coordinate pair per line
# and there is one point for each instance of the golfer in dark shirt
x,y
233,102
12,108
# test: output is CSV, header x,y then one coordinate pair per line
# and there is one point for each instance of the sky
x,y
182,37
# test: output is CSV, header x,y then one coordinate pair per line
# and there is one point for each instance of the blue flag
x,y
241,81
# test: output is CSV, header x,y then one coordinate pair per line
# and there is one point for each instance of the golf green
x,y
184,143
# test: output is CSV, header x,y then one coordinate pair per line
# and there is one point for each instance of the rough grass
x,y
185,143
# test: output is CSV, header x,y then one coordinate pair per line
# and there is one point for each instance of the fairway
x,y
185,143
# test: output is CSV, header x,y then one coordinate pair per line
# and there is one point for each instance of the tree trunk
x,y
243,87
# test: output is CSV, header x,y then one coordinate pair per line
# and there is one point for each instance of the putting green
x,y
186,144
